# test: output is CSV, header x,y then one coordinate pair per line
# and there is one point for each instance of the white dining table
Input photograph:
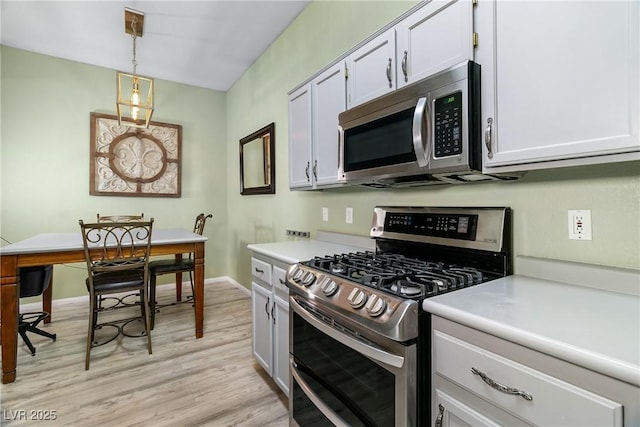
x,y
61,248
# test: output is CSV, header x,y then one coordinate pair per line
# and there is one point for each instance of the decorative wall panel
x,y
126,161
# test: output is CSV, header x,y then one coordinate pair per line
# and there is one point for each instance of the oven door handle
x,y
365,349
317,401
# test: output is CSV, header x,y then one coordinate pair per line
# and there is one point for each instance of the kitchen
x,y
215,121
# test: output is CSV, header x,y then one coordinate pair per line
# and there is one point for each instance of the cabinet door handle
x,y
438,422
488,137
315,169
266,308
306,171
389,73
273,314
500,387
258,270
404,66
281,281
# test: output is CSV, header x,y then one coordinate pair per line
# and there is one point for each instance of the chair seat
x,y
170,266
117,281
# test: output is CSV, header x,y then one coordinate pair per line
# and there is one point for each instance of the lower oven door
x,y
340,378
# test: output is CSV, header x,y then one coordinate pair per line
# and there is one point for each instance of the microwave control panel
x,y
448,125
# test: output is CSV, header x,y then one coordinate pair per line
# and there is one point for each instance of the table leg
x,y
9,317
179,281
198,297
47,296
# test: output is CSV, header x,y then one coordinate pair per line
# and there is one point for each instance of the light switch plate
x,y
325,214
349,216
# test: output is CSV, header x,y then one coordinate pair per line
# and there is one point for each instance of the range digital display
x,y
451,226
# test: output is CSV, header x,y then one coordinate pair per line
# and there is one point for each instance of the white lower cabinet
x,y
270,319
479,379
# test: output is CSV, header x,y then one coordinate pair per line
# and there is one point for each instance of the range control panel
x,y
447,125
453,226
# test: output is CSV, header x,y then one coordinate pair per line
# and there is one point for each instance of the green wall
x,y
320,34
44,153
44,150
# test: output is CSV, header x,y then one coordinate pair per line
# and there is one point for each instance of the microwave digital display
x,y
448,125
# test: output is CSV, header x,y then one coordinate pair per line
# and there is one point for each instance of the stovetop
x,y
420,252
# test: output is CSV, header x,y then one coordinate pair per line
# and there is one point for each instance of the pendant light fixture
x,y
135,93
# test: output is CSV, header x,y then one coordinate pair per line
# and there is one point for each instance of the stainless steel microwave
x,y
427,132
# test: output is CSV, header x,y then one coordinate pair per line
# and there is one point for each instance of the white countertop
x,y
594,328
293,251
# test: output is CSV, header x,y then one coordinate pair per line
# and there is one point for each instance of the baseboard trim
x,y
37,306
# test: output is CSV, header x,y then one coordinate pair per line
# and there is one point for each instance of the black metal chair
x,y
117,257
33,282
173,266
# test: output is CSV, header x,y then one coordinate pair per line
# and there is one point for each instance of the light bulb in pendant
x,y
135,99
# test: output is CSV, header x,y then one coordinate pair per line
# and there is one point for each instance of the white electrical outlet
x,y
325,214
349,216
580,224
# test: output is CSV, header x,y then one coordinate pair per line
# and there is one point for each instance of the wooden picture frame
x,y
127,161
258,162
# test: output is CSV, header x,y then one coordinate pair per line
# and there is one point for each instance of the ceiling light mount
x,y
135,93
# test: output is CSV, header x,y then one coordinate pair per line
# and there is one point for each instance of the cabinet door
x,y
560,81
300,138
454,413
371,69
281,344
261,326
434,38
329,100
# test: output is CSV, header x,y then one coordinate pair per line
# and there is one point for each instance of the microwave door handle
x,y
314,398
421,140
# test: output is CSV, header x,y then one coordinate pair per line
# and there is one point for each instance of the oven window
x,y
359,390
386,141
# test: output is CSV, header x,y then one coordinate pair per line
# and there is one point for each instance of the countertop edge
x,y
594,361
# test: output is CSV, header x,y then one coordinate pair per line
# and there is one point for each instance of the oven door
x,y
339,378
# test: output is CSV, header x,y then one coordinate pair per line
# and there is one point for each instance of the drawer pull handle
x,y
259,271
500,387
281,281
438,422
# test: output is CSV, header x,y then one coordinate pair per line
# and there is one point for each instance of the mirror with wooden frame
x,y
258,162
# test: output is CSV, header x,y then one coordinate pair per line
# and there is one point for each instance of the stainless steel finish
x,y
489,235
389,72
501,387
487,137
422,133
398,322
377,354
313,397
404,66
438,422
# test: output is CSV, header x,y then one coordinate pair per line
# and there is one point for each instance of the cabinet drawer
x,y
553,402
261,270
279,279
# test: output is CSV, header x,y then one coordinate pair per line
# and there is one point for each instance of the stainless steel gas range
x,y
359,340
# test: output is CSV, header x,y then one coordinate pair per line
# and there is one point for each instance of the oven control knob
x,y
357,298
375,306
296,274
308,279
329,287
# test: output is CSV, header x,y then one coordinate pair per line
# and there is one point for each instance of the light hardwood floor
x,y
212,381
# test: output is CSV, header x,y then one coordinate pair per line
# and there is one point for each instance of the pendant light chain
x,y
134,21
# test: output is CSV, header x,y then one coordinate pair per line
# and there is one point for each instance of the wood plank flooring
x,y
212,381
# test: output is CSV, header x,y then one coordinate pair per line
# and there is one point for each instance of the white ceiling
x,y
208,44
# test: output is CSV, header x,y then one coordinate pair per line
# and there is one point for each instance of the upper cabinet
x,y
313,130
434,38
371,69
560,82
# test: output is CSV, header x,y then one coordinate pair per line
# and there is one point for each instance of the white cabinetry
x,y
434,38
479,379
270,321
371,69
560,82
313,129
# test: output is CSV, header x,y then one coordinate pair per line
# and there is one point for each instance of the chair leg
x,y
92,320
193,291
27,341
147,319
152,299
